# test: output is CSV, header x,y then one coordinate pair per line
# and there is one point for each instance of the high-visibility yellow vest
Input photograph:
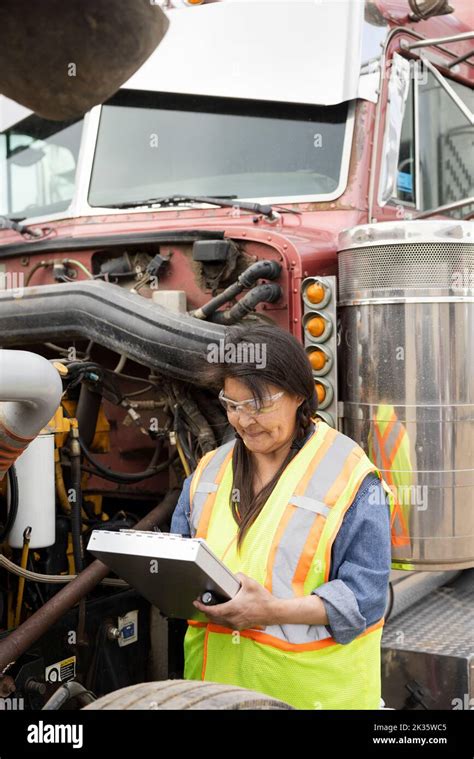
x,y
389,449
288,550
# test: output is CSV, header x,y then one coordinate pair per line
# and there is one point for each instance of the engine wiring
x,y
184,428
59,267
83,371
27,574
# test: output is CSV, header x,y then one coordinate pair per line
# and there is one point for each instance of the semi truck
x,y
308,165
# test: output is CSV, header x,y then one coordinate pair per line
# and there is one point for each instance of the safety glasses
x,y
251,406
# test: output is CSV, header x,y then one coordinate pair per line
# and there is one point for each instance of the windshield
x,y
38,161
154,145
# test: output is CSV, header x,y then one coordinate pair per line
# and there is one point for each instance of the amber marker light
x,y
316,326
315,292
317,359
320,392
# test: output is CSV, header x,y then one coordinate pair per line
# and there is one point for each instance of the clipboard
x,y
168,570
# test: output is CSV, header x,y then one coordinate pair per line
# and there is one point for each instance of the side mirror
x,y
61,58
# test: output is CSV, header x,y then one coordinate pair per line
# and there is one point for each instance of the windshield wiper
x,y
22,229
228,201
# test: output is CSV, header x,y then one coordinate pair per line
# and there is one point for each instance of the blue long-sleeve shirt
x,y
355,595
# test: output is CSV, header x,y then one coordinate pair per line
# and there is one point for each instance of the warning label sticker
x,y
61,671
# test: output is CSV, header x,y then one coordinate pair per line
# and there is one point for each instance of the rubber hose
x,y
65,693
14,499
76,516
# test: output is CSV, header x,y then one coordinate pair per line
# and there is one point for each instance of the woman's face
x,y
269,431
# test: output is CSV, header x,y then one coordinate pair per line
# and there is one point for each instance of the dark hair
x,y
286,366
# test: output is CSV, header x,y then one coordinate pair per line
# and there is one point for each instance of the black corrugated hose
x,y
12,514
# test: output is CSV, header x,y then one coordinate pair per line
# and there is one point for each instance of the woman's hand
x,y
253,606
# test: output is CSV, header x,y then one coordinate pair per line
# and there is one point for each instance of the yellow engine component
x,y
61,426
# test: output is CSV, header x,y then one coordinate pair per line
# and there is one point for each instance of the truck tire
x,y
185,694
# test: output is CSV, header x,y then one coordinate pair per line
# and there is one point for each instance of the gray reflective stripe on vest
x,y
292,542
310,504
205,487
287,557
207,484
329,468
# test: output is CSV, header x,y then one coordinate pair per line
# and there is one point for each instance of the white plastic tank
x,y
36,494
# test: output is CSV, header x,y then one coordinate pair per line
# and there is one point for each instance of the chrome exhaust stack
x,y
406,309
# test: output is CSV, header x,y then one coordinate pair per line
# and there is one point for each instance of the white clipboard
x,y
168,570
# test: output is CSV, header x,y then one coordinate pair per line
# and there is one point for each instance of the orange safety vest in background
x,y
389,449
